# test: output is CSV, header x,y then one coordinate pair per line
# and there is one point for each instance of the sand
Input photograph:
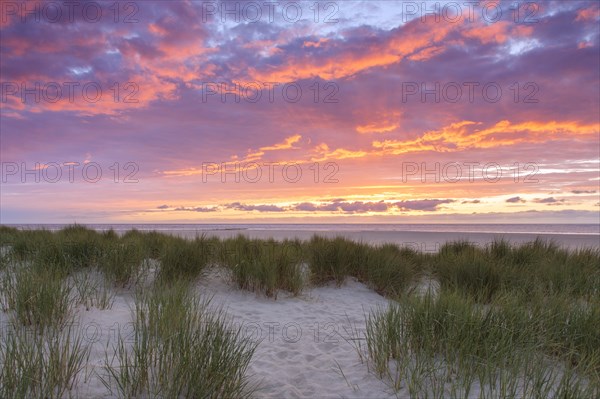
x,y
303,351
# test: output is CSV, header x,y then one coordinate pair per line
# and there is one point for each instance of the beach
x,y
300,199
333,315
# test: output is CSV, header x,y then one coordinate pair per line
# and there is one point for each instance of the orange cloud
x,y
588,14
323,153
157,29
315,44
288,143
498,32
463,135
251,156
384,124
455,137
400,43
416,41
377,128
426,53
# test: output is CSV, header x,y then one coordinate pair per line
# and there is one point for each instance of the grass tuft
x,y
40,365
265,266
184,259
180,349
38,297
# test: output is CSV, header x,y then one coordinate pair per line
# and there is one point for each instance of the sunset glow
x,y
348,111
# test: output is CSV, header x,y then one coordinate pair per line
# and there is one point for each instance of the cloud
x,y
422,205
514,200
163,207
288,143
366,48
548,200
588,14
248,208
378,127
196,209
340,205
323,153
460,136
362,207
383,124
170,53
498,32
583,191
306,206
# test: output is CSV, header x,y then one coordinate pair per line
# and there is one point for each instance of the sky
x,y
300,112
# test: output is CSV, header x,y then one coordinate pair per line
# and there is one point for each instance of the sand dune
x,y
303,350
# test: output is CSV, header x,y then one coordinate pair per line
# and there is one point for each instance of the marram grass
x,y
179,349
507,321
264,266
40,365
440,346
37,297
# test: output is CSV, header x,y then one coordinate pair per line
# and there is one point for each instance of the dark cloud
x,y
196,209
340,205
361,207
583,191
548,200
306,206
422,205
514,200
260,208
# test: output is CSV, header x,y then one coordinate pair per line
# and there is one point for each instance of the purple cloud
x,y
422,205
196,209
514,200
260,208
583,191
547,200
337,205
